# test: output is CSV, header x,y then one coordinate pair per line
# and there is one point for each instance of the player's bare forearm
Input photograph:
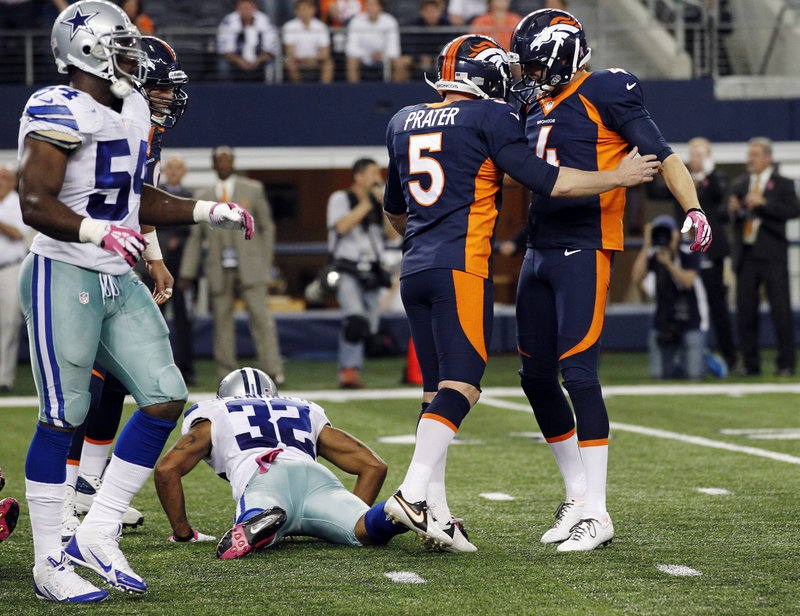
x,y
161,209
680,183
398,222
170,492
354,457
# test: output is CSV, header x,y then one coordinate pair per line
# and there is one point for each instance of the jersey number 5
x,y
432,142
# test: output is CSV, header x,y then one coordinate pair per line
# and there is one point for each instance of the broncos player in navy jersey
x,y
443,193
588,121
92,441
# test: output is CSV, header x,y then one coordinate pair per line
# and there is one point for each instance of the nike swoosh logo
x,y
571,252
100,562
630,86
255,528
417,518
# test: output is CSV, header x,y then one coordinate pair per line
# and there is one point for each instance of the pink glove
x,y
231,216
124,242
194,538
702,238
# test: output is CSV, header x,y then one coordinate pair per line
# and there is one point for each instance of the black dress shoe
x,y
784,372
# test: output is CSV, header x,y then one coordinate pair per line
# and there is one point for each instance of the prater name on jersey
x,y
443,116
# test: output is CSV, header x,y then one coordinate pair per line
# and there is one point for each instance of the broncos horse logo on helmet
x,y
164,74
552,43
473,64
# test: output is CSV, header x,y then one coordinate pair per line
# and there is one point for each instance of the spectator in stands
x,y
761,202
499,22
712,187
357,230
424,39
523,7
12,251
373,45
464,11
134,9
173,241
337,13
235,268
307,45
247,43
667,272
18,14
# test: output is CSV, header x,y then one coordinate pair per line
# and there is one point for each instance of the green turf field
x,y
668,441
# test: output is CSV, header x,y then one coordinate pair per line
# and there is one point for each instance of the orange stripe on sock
x,y
441,420
94,442
599,442
563,437
74,462
98,375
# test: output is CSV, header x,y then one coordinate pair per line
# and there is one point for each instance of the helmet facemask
x,y
166,110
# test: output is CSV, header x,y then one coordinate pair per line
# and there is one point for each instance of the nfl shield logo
x,y
83,297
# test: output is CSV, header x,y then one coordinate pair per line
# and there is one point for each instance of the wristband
x,y
202,211
153,250
92,231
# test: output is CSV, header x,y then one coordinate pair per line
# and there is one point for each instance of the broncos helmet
x,y
164,71
93,36
246,382
554,40
474,64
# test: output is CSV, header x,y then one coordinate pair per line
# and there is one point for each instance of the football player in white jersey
x,y
266,446
82,153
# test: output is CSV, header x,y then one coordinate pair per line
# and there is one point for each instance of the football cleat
x,y
568,515
454,529
99,551
9,514
86,489
55,580
587,535
69,519
416,517
252,534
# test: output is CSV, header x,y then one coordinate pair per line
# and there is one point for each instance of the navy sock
x,y
47,456
379,527
142,439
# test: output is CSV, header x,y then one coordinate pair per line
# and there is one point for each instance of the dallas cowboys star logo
x,y
78,22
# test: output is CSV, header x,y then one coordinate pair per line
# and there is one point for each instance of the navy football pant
x,y
561,299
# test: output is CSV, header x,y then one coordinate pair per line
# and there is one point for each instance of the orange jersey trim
x,y
98,375
611,149
601,294
482,217
563,437
548,103
95,442
469,305
441,420
73,462
599,442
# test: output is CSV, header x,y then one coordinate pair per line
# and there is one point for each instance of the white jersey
x,y
246,427
105,168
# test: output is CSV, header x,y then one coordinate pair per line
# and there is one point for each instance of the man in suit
x,y
234,267
761,203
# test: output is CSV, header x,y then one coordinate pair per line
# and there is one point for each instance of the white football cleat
x,y
55,580
86,489
99,551
568,515
69,519
418,518
587,535
454,529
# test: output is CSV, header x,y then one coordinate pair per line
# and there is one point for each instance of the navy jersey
x,y
153,170
591,126
443,173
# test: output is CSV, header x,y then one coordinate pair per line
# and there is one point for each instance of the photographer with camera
x,y
357,229
668,272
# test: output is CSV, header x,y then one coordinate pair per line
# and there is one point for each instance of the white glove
x,y
224,215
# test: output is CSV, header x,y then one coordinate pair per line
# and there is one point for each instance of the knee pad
x,y
449,404
170,381
355,328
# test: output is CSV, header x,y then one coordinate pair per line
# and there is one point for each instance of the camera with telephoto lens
x,y
662,236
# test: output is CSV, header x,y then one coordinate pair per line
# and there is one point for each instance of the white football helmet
x,y
246,382
94,36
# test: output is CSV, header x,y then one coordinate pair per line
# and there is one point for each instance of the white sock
x,y
595,461
72,474
45,502
436,495
570,463
433,438
93,457
120,484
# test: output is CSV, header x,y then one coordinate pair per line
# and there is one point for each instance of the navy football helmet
x,y
246,382
164,71
474,64
551,42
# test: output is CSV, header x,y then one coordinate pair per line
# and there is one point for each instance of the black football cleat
x,y
9,514
252,534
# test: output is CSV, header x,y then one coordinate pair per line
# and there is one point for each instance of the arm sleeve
x,y
525,167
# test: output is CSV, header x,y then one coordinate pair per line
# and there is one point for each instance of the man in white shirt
x,y
12,251
307,44
247,42
373,42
